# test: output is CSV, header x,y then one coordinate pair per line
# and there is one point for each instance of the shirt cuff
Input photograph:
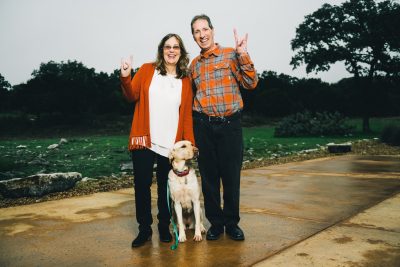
x,y
125,80
244,59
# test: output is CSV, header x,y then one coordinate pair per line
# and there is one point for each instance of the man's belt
x,y
217,119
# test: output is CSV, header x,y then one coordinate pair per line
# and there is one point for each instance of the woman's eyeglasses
x,y
175,47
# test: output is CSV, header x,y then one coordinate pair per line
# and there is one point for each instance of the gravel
x,y
104,184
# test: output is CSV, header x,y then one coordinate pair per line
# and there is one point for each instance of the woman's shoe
x,y
142,237
165,235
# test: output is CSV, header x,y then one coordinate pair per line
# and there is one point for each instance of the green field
x,y
260,141
98,156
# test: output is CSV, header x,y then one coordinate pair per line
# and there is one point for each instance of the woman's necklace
x,y
171,79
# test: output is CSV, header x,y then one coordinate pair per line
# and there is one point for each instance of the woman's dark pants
x,y
143,161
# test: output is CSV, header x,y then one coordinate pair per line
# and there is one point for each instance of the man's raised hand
x,y
240,43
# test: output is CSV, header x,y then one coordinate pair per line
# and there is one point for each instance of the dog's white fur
x,y
185,191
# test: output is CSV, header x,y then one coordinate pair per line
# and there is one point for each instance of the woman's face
x,y
172,51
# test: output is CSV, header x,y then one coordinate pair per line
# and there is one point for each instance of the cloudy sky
x,y
99,32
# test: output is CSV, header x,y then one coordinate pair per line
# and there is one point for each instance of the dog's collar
x,y
181,173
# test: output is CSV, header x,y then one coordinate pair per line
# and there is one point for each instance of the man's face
x,y
203,34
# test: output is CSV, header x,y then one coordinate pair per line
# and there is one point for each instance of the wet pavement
x,y
339,211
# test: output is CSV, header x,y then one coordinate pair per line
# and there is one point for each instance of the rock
x,y
39,161
39,184
127,166
339,148
63,141
53,146
306,151
21,147
6,175
85,179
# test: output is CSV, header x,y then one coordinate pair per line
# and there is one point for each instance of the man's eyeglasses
x,y
175,47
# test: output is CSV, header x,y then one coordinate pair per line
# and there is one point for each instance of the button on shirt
x,y
216,76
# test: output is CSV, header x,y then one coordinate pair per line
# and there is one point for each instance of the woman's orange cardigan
x,y
137,90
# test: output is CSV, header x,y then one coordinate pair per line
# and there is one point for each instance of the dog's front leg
x,y
181,227
197,227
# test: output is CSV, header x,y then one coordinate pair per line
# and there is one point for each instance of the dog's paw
x,y
197,237
182,238
202,229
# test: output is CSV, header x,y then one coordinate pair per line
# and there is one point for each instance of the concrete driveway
x,y
339,211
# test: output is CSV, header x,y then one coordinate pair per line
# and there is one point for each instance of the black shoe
x,y
165,235
235,232
213,233
142,237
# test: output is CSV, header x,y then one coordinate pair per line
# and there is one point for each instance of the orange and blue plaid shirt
x,y
216,76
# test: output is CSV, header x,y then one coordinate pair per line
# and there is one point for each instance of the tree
x,y
361,33
4,85
71,91
4,91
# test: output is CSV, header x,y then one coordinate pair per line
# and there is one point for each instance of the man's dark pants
x,y
220,146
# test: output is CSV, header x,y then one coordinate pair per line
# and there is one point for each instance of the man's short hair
x,y
201,16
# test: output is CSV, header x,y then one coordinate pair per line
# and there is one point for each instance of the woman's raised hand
x,y
126,66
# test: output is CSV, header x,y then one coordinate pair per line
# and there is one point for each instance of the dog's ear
x,y
171,156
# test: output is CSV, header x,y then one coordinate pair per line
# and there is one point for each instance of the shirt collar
x,y
216,51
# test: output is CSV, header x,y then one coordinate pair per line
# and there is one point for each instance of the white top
x,y
164,102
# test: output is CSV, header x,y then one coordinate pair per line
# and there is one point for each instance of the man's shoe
x,y
235,232
142,237
213,233
165,235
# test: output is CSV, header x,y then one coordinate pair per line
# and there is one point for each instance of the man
x,y
216,75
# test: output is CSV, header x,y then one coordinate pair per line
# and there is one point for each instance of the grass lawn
x,y
92,156
97,156
260,141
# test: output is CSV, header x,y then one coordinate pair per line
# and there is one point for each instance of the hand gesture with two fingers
x,y
240,43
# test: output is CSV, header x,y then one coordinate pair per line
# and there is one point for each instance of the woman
x,y
163,115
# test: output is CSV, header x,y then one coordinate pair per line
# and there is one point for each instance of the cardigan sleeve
x,y
187,116
131,87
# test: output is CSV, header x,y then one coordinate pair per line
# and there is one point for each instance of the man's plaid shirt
x,y
216,76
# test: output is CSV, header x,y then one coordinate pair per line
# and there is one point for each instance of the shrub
x,y
250,120
391,135
312,124
11,122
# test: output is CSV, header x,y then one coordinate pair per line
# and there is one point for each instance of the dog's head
x,y
183,150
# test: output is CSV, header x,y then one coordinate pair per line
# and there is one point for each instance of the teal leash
x,y
174,246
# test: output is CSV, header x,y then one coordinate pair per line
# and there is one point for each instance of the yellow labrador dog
x,y
185,191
